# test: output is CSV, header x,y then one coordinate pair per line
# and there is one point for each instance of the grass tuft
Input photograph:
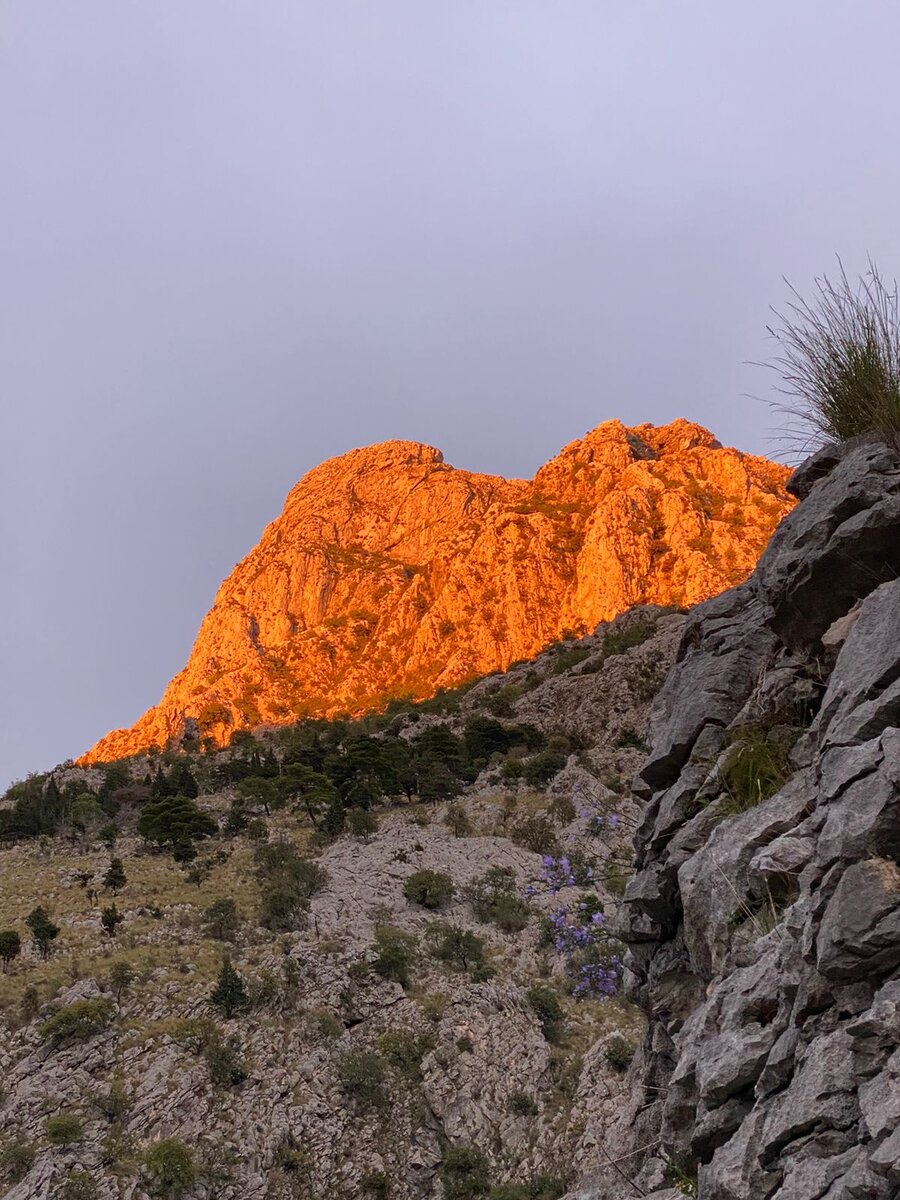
x,y
840,361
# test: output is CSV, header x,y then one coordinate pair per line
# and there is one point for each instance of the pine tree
x,y
121,977
10,946
111,919
115,878
228,994
42,930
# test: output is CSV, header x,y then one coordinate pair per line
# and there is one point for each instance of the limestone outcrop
x,y
764,917
390,573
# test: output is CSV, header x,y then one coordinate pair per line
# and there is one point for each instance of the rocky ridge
x,y
763,921
390,573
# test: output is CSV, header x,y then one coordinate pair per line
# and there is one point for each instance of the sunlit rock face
x,y
390,573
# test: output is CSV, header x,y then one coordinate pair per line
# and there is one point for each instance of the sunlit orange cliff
x,y
390,573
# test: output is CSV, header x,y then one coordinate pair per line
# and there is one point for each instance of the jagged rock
x,y
391,573
780,1082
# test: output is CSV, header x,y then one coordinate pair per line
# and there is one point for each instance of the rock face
x,y
391,573
764,917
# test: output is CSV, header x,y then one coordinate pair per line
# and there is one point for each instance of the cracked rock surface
x,y
764,921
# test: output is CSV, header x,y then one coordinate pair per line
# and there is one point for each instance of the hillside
x,y
390,573
391,1042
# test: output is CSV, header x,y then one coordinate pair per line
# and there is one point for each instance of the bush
x,y
229,994
457,821
520,1104
540,768
361,823
114,1103
10,946
540,1187
78,1185
288,882
221,920
404,1050
16,1159
840,359
465,1174
223,1061
756,766
80,1020
121,978
43,930
431,889
535,833
618,1052
459,947
548,1010
169,1168
617,641
362,1074
493,898
396,954
63,1129
377,1184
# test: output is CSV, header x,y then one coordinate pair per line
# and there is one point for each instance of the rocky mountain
x,y
421,1024
390,573
763,921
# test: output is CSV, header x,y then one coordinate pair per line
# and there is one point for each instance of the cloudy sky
x,y
237,238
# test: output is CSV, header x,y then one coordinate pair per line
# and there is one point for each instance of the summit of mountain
x,y
390,573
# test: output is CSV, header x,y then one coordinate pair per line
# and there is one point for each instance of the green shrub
x,y
548,1010
169,1168
540,768
431,889
77,1185
619,1052
617,641
494,898
396,953
535,833
465,1173
229,993
10,946
457,821
840,359
462,949
288,882
63,1129
377,1184
16,1159
43,930
404,1050
362,1074
520,1104
80,1020
756,766
221,920
114,1103
223,1061
628,739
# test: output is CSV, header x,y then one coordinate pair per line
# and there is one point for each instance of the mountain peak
x,y
390,573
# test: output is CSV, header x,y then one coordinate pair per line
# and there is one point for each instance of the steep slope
x,y
391,573
764,918
342,1076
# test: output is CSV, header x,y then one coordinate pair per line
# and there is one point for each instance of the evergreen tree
x,y
10,946
111,919
228,994
121,978
42,930
115,878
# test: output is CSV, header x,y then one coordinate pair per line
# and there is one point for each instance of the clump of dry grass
x,y
840,361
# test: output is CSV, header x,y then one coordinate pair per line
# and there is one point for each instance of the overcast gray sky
x,y
238,238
